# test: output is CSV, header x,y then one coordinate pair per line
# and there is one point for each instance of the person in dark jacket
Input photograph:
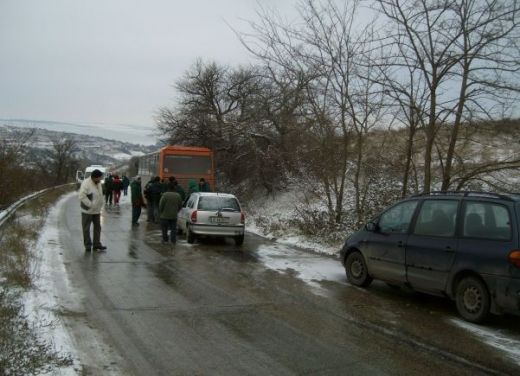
x,y
176,187
204,186
137,200
169,206
148,198
126,183
108,189
155,191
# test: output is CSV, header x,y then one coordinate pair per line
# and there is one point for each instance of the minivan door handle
x,y
400,244
448,249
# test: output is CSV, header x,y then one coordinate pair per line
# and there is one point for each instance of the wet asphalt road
x,y
261,309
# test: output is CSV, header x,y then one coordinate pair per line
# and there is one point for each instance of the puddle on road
x,y
312,269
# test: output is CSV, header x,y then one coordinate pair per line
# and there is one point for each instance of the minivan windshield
x,y
218,203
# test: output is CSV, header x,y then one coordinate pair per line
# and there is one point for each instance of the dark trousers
x,y
153,211
136,213
108,197
150,211
169,224
86,221
117,194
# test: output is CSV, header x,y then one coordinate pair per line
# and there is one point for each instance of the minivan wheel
x,y
473,301
356,270
190,236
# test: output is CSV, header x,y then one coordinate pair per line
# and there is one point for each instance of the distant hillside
x,y
136,134
93,149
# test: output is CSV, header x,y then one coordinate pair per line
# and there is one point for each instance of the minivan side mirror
x,y
371,226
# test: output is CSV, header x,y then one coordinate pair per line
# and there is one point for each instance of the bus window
x,y
187,164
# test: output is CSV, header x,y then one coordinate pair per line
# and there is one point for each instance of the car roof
x,y
215,194
476,194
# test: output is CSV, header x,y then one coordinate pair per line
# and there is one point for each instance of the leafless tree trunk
x,y
426,40
488,63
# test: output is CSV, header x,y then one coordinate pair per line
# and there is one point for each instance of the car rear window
x,y
218,203
486,221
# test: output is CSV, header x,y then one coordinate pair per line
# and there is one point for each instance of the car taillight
x,y
514,257
242,217
194,216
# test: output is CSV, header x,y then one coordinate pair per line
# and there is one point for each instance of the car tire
x,y
239,240
473,299
356,269
190,236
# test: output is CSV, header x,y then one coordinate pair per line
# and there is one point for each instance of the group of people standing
x,y
113,187
163,200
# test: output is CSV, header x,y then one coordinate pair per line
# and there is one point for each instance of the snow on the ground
x,y
312,269
41,302
53,294
507,343
277,211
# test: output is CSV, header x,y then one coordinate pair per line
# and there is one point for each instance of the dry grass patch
x,y
22,352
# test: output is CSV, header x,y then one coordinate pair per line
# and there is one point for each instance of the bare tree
x,y
488,66
344,99
12,156
445,44
426,48
59,162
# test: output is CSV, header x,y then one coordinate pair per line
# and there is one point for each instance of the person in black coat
x,y
204,186
153,192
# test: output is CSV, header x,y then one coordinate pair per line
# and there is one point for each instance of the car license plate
x,y
219,219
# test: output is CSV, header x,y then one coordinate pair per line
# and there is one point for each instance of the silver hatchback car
x,y
212,214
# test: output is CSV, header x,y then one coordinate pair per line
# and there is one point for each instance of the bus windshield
x,y
187,164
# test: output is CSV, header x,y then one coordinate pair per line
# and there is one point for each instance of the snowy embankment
x,y
270,217
52,302
41,302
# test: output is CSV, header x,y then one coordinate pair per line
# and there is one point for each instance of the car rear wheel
x,y
473,300
356,269
239,240
190,236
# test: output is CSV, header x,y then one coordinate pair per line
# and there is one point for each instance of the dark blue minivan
x,y
463,245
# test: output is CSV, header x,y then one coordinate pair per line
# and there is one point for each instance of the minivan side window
x,y
397,219
485,220
437,218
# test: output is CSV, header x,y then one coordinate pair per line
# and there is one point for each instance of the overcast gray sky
x,y
111,61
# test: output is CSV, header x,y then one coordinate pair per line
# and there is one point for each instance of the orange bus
x,y
184,162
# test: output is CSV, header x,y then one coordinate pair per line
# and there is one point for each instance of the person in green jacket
x,y
192,187
169,206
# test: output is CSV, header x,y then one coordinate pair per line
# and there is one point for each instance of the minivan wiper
x,y
228,209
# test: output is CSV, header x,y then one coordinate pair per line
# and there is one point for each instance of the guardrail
x,y
6,214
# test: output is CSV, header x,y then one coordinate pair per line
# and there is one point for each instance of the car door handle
x,y
400,244
448,249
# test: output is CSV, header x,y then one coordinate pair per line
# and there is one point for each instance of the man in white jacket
x,y
91,201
